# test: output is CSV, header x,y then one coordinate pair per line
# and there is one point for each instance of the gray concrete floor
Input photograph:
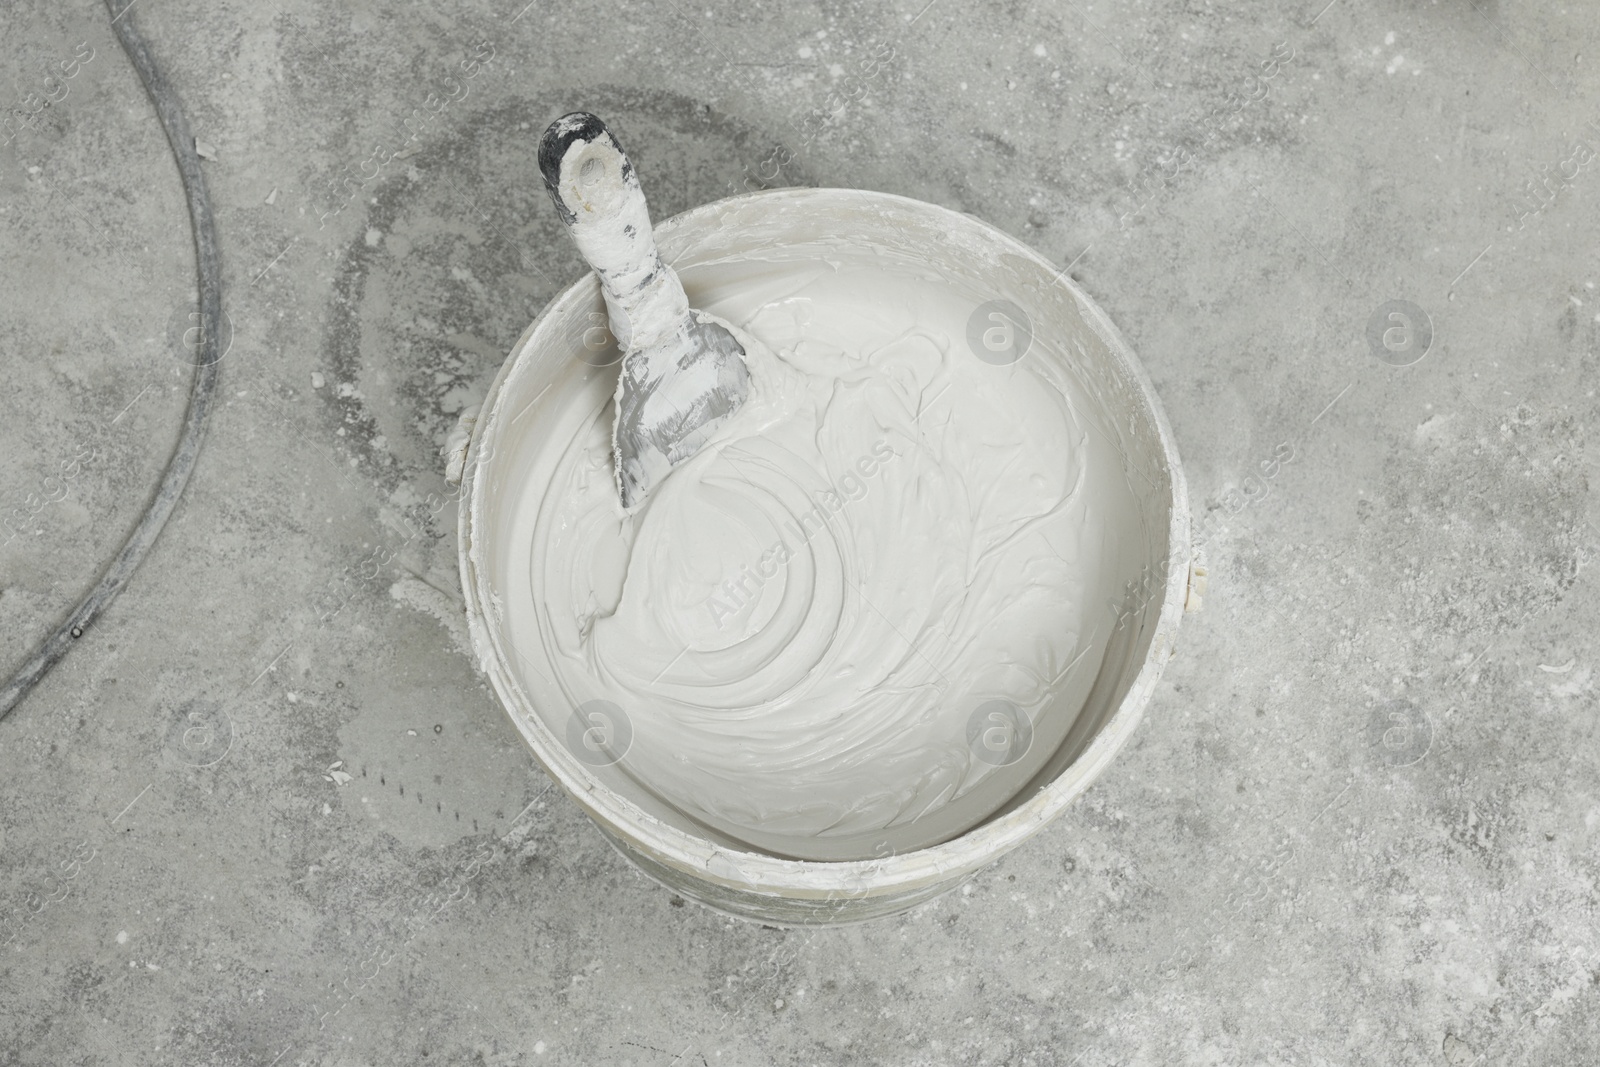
x,y
1361,821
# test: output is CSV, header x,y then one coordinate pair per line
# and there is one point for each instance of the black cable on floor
x,y
201,389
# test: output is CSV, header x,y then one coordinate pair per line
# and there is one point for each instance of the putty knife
x,y
683,372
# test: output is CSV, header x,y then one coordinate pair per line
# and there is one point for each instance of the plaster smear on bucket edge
x,y
803,620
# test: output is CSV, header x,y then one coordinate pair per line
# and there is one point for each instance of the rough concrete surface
x,y
1360,823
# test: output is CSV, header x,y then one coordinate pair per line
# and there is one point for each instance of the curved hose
x,y
202,386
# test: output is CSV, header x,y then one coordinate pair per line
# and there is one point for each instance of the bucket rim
x,y
759,872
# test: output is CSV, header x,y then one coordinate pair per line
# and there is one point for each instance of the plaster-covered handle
x,y
597,194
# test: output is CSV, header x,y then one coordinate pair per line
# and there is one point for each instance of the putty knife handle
x,y
597,194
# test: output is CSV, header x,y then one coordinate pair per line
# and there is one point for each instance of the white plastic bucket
x,y
565,356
